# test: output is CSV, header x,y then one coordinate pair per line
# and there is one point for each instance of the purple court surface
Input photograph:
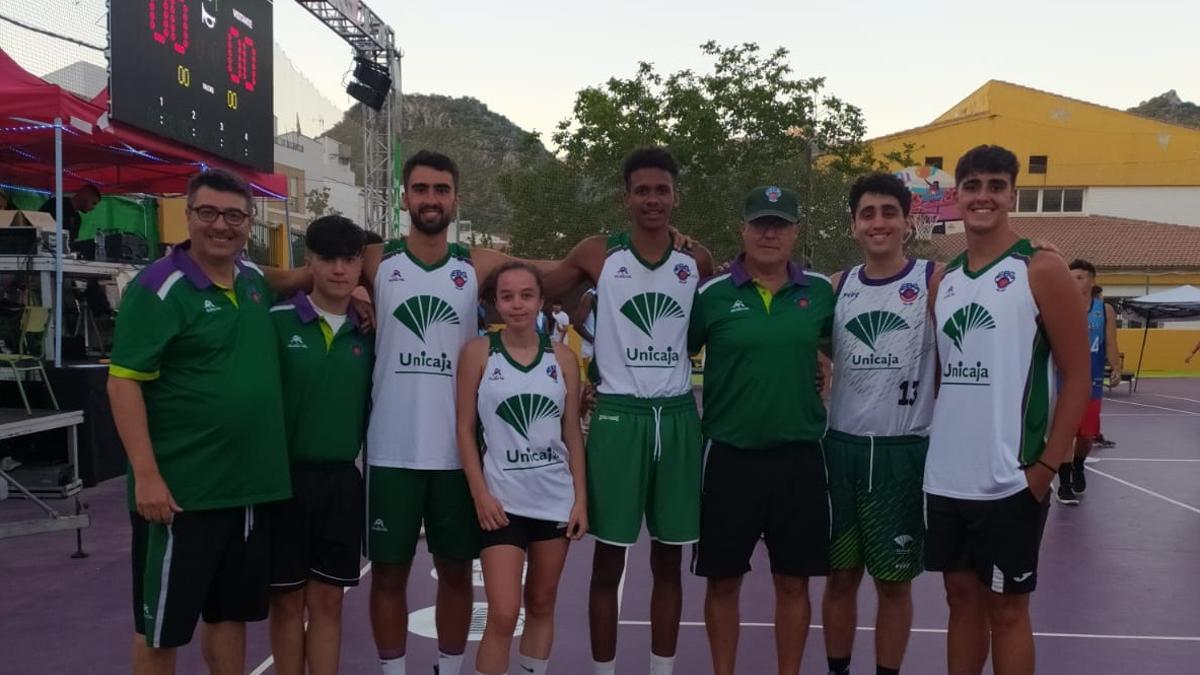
x,y
1118,592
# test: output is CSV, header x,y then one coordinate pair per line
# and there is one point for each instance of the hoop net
x,y
925,223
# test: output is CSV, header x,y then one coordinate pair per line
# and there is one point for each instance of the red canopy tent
x,y
54,140
114,156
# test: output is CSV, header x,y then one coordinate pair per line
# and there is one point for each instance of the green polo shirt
x,y
326,382
761,356
209,371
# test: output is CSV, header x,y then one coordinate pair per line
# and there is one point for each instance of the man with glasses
x,y
196,396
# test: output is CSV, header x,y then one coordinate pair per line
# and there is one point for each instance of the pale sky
x,y
903,63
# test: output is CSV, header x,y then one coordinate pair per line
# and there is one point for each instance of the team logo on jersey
x,y
622,273
496,375
1005,279
949,292
904,544
209,307
459,278
523,410
420,312
738,306
356,350
646,309
909,292
802,303
256,297
396,276
552,371
773,194
868,327
967,319
297,342
378,526
683,272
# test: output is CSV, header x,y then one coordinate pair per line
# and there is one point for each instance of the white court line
x,y
1139,488
1091,636
1142,415
1156,407
1179,398
270,660
1141,459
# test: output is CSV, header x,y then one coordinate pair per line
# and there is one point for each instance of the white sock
x,y
661,665
605,667
449,664
532,665
392,666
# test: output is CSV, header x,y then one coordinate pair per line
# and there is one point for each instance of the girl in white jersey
x,y
520,395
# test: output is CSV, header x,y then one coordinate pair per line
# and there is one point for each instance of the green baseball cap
x,y
770,200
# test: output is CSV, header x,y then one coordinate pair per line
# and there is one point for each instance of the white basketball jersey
x,y
642,313
993,410
521,409
424,316
885,360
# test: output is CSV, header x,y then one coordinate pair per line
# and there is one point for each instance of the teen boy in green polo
x,y
326,360
764,473
195,392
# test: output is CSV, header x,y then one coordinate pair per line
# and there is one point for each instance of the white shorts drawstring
x,y
657,431
871,465
248,525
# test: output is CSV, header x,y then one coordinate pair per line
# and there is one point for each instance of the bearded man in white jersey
x,y
643,449
1008,315
885,365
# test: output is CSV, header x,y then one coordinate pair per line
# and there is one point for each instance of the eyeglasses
x,y
209,214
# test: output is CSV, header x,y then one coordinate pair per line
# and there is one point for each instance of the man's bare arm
x,y
1064,319
151,494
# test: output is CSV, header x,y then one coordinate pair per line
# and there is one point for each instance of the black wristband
x,y
1052,469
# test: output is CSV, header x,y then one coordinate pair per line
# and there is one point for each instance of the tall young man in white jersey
x,y
643,449
426,293
1102,346
885,364
1008,314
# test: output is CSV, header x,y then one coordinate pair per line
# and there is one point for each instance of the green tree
x,y
747,121
317,203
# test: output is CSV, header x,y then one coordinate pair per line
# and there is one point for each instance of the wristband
x,y
1052,469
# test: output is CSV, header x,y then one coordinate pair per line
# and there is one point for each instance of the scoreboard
x,y
196,71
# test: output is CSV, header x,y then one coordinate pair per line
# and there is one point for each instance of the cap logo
x,y
773,194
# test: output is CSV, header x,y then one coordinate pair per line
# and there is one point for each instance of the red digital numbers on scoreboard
x,y
241,59
169,21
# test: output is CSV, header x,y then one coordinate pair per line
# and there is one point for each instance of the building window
x,y
1052,201
935,162
1038,163
1073,201
1027,201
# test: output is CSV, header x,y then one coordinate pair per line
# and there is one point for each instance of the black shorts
x,y
522,531
317,534
997,539
212,564
779,495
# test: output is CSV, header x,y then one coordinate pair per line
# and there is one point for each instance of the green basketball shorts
x,y
875,491
644,457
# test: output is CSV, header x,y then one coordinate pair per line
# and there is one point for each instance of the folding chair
x,y
33,324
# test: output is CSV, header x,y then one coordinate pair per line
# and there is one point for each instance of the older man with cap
x,y
764,474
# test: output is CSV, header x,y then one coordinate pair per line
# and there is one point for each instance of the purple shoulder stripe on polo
x,y
304,308
154,276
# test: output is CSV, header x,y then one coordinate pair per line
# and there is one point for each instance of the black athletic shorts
x,y
210,564
779,495
522,531
997,539
317,534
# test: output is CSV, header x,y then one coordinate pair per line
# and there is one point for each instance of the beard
x,y
432,222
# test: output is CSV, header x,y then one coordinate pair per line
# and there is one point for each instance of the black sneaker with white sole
x,y
1066,495
1079,480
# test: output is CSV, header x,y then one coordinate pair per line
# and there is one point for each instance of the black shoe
x,y
1066,495
1103,442
1079,480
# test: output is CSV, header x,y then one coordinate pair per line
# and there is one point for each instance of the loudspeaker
x,y
101,455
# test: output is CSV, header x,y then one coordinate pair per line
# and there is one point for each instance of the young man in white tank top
x,y
885,364
1007,314
643,456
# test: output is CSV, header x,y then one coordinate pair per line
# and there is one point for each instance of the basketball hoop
x,y
925,223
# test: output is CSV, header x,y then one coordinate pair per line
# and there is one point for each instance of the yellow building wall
x,y
1165,350
1087,144
172,220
